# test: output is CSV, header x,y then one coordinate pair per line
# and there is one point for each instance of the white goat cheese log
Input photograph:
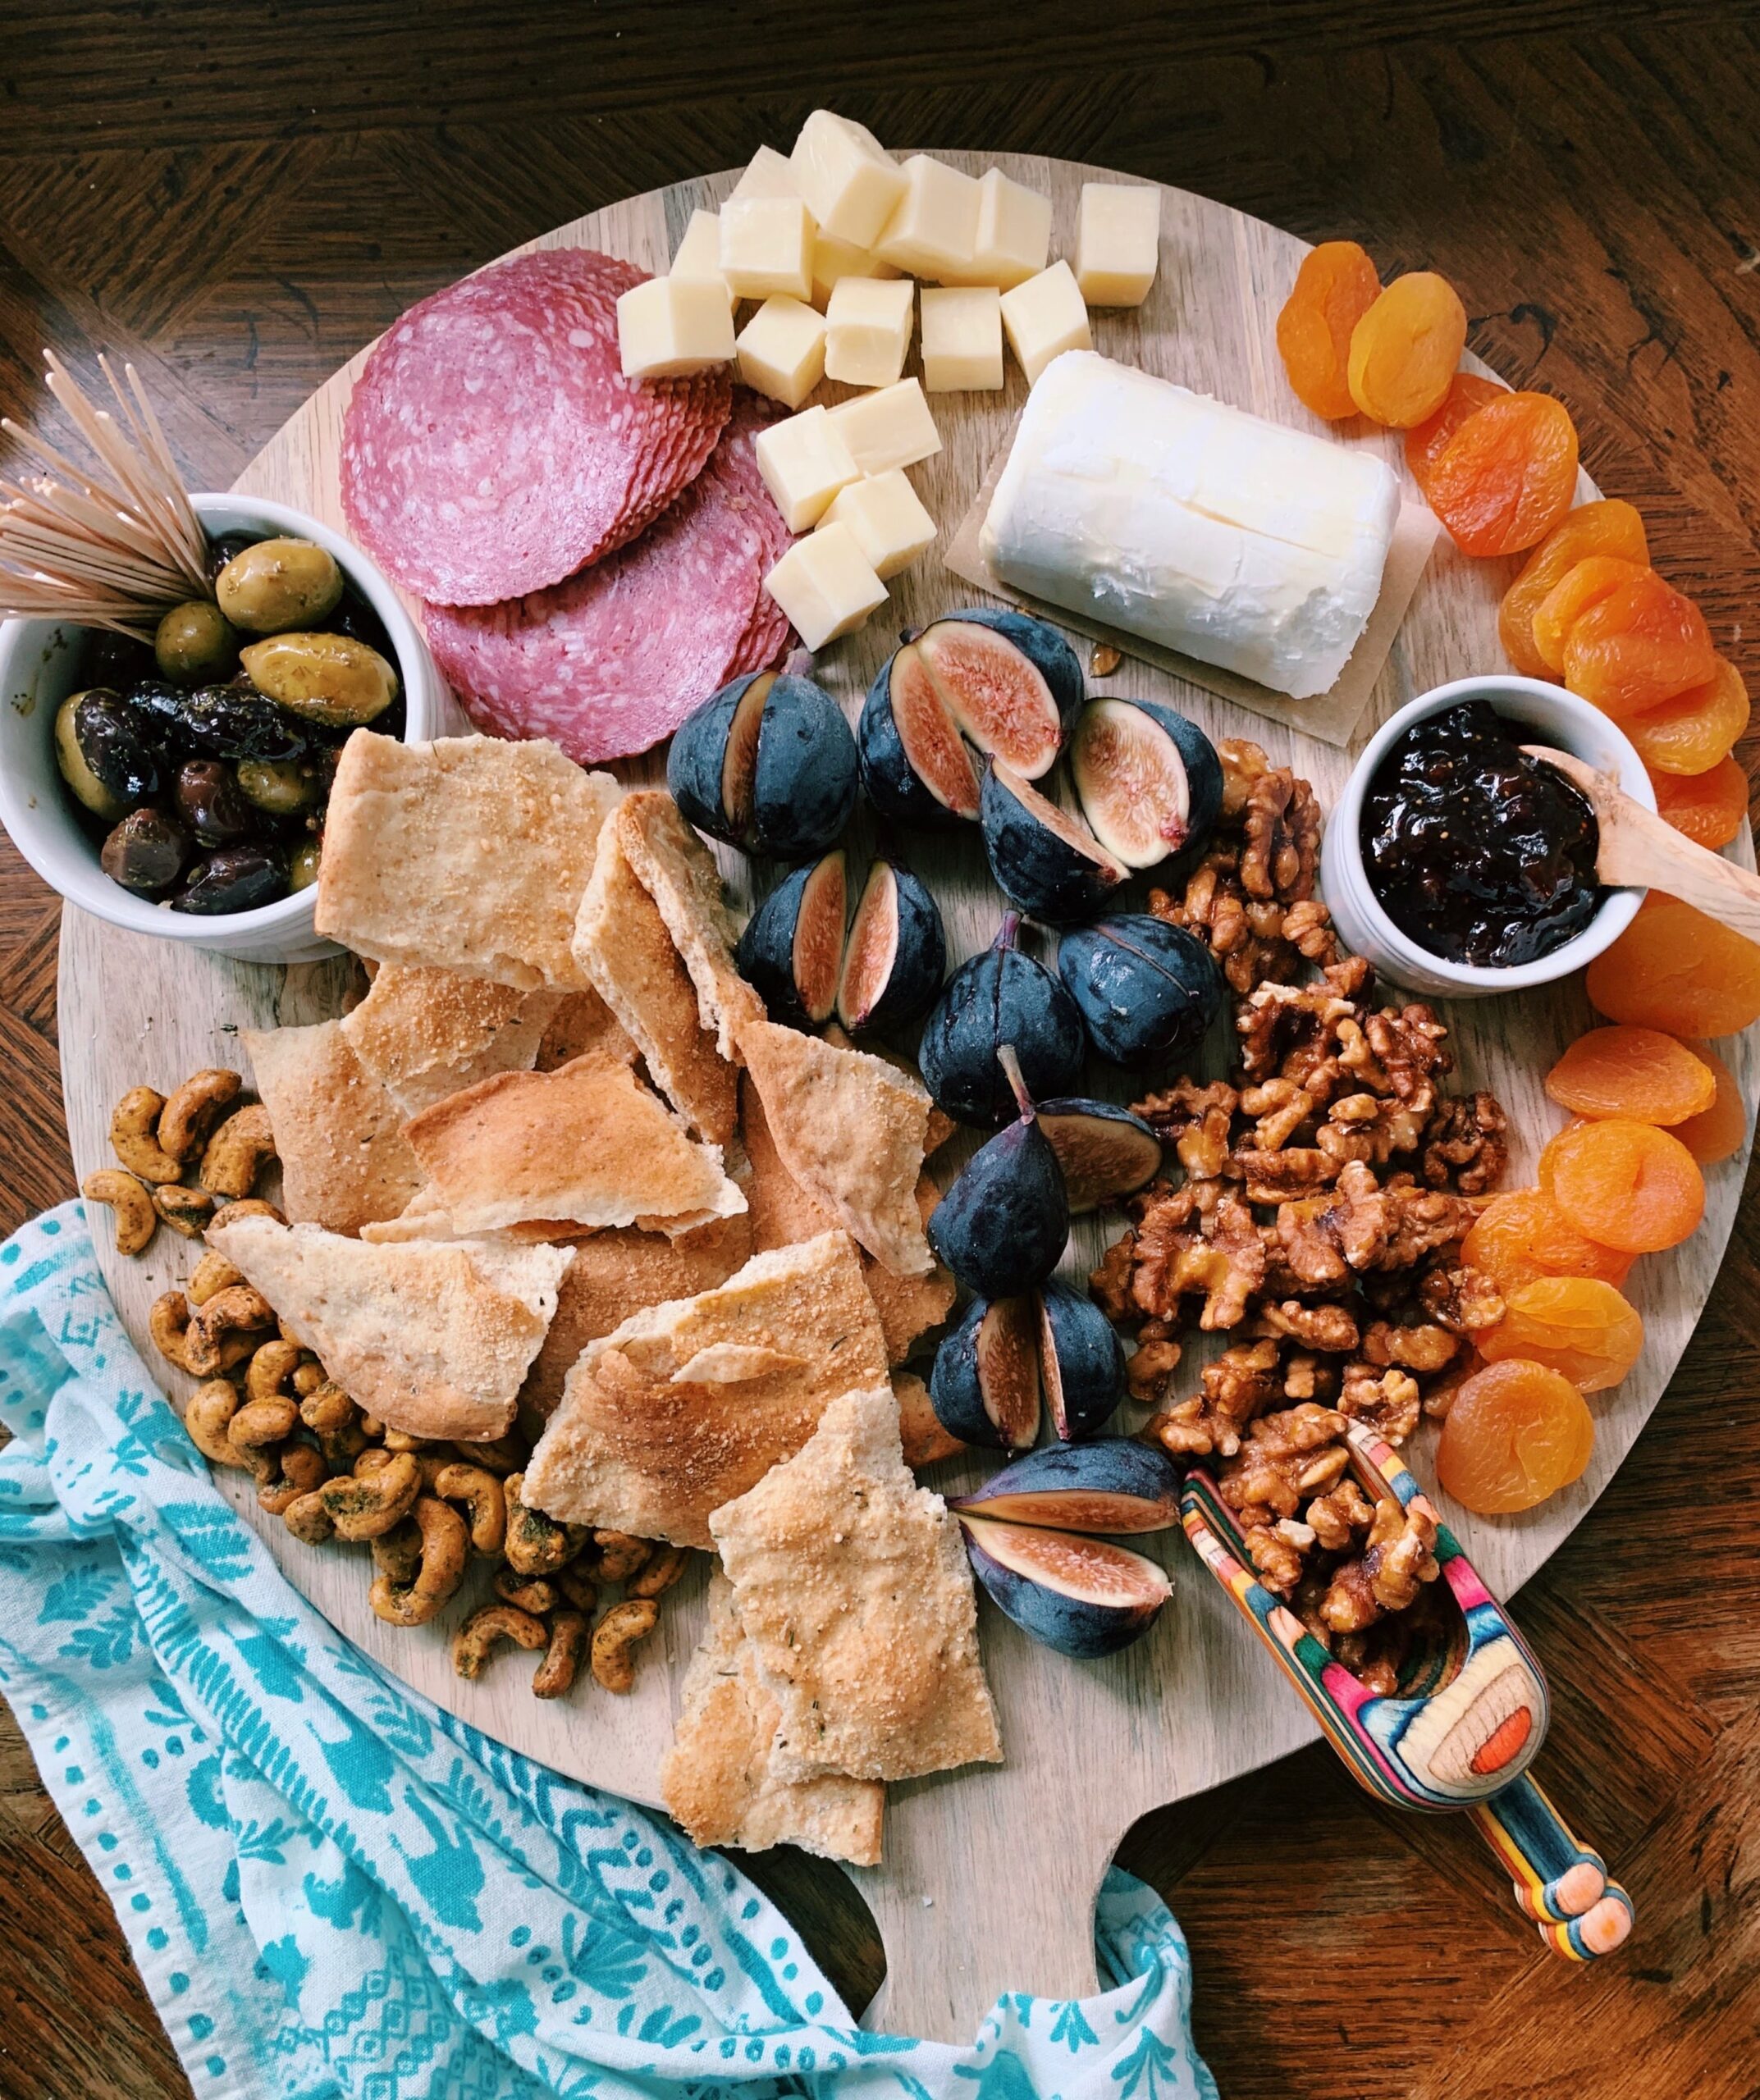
x,y
1197,525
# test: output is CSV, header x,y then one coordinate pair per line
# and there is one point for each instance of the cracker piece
x,y
941,1125
631,1449
433,1338
425,1034
589,1144
344,1160
716,1778
582,1023
623,944
851,1129
851,1584
925,1441
466,854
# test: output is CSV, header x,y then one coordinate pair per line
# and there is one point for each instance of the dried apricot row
x,y
1576,1326
1426,442
1640,645
1708,807
1506,476
1404,349
1722,1130
1692,731
1677,969
1522,1235
1515,1433
1335,287
1594,578
1638,1072
1605,526
1635,1186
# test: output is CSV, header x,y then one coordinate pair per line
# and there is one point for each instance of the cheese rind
x,y
1044,317
868,330
767,247
850,182
782,350
804,461
825,585
962,338
670,327
890,427
1014,231
1195,525
887,516
699,256
1118,243
768,174
933,231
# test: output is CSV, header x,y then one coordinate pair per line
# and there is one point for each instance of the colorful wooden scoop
x,y
1461,1734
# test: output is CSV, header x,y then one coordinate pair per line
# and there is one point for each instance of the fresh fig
x,y
1084,1597
1114,1484
1080,1362
1142,987
915,766
767,763
1149,781
1002,1225
896,954
999,997
1009,682
1044,859
794,943
1104,1151
986,1381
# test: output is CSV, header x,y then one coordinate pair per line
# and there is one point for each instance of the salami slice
x,y
492,445
613,659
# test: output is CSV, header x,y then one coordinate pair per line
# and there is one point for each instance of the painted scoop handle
x,y
1559,1882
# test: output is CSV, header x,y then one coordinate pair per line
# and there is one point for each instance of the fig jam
x,y
1476,852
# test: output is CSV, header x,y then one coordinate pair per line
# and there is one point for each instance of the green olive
x,y
79,776
278,584
328,678
302,867
196,643
283,787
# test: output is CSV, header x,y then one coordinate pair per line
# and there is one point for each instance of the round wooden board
x,y
989,1873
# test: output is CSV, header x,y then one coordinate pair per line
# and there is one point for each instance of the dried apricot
x,y
1722,1130
1605,526
1708,807
1516,1433
1676,970
1335,287
1638,646
1576,1326
1506,477
1404,349
1594,578
1426,442
1523,1235
1638,1072
1697,727
1638,1188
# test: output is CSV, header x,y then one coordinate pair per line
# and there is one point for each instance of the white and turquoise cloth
x,y
335,1891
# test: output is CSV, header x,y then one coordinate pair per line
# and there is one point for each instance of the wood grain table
x,y
238,199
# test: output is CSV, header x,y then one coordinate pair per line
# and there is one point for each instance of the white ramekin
x,y
1551,716
38,663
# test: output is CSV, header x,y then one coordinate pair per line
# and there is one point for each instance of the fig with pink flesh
x,y
915,766
1082,1596
1010,682
896,953
1149,781
1104,1151
793,945
999,997
985,1385
767,763
1003,1225
1114,1484
1080,1362
1045,860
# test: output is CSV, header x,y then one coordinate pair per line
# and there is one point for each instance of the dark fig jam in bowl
x,y
1460,866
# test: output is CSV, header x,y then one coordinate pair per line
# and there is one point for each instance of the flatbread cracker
x,y
716,1780
344,1160
466,854
589,1144
631,1450
852,1586
582,1022
425,1034
851,1129
434,1340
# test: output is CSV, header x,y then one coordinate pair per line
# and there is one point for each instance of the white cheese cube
x,y
933,231
825,586
768,174
850,182
962,338
890,427
888,520
834,260
782,350
868,330
1014,231
804,461
1118,243
699,255
1044,316
767,247
671,326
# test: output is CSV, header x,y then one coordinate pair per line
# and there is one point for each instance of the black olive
x,y
115,660
221,551
236,879
355,617
115,742
209,800
145,853
160,703
234,722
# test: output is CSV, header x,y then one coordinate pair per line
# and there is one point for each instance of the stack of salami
x,y
591,549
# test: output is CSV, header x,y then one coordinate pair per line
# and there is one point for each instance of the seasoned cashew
x,y
193,1109
501,1455
534,1546
284,1331
660,1574
578,1587
482,1495
131,1201
614,1639
327,1407
361,1506
620,1556
207,1415
445,1550
238,1152
186,1211
262,1422
562,1659
397,1553
168,1325
226,1329
309,1377
372,1427
400,1440
133,1136
471,1644
271,1368
534,1594
246,1207
302,1470
309,1520
212,1275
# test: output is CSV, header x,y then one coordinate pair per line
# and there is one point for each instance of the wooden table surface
x,y
238,199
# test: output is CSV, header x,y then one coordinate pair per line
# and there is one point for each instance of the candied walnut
x,y
1336,1517
1408,1043
1222,1256
1281,847
1307,929
1183,1431
1350,1602
1151,1367
1292,1031
1310,1377
1242,1383
1276,1560
1401,1555
1460,1298
1243,762
1465,1145
1280,1177
1278,1108
1330,1329
1386,1400
1110,1285
1371,1128
1285,1457
1195,1120
1424,1347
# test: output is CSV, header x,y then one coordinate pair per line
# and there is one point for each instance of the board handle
x,y
1561,1883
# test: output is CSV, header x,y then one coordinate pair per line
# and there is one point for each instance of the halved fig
x,y
1104,1151
995,672
1083,1596
1149,781
896,954
915,766
999,997
1080,1362
1114,1484
1144,987
794,943
1044,858
768,764
985,1385
739,761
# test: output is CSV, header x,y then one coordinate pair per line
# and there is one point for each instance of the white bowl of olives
x,y
178,790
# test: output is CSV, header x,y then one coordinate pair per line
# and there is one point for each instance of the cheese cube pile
x,y
868,330
673,325
962,337
887,516
782,350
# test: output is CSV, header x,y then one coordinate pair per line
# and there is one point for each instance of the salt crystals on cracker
x,y
424,1034
345,1163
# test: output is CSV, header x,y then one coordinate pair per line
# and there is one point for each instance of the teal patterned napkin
x,y
333,1889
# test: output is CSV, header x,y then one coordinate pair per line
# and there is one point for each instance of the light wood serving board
x,y
989,1873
